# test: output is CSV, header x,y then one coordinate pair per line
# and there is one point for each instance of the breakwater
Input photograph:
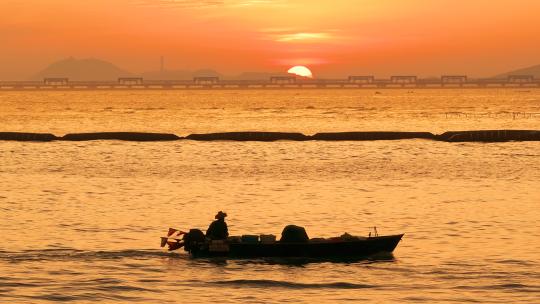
x,y
490,136
357,136
128,136
249,136
451,136
20,136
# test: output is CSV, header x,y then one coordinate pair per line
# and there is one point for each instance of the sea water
x,y
81,221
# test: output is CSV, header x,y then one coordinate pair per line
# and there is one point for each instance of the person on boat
x,y
218,229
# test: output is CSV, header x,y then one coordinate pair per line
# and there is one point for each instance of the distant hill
x,y
82,70
533,70
95,69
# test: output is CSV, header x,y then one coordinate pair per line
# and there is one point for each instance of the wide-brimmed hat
x,y
221,215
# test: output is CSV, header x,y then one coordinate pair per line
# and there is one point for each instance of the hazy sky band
x,y
333,38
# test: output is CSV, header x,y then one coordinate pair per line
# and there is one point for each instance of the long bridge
x,y
277,82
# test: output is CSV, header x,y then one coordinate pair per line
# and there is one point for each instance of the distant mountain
x,y
82,70
180,74
534,70
95,69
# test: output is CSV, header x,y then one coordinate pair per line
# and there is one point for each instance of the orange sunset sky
x,y
333,38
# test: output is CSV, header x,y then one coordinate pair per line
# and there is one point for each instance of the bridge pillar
x,y
130,80
283,79
206,80
56,81
403,79
521,79
362,79
454,79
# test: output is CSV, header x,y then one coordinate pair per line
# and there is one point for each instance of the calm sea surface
x,y
81,221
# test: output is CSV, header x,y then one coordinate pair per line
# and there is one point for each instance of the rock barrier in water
x,y
128,136
248,136
22,136
453,136
357,136
490,136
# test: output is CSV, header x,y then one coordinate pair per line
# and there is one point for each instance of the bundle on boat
x,y
22,136
357,136
490,136
248,136
128,136
294,242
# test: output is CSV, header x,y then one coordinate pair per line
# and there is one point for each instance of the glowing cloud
x,y
303,37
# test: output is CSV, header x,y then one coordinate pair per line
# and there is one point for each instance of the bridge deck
x,y
245,84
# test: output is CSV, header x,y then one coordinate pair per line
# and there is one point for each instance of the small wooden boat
x,y
316,248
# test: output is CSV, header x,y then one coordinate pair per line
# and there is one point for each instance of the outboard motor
x,y
193,240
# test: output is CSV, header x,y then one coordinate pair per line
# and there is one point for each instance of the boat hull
x,y
346,248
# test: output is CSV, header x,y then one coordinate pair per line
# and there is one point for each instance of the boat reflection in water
x,y
383,257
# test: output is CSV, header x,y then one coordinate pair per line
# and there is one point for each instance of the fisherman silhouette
x,y
218,229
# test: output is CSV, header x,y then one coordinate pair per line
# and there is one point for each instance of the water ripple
x,y
74,254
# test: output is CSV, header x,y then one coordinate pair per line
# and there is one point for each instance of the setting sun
x,y
300,71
